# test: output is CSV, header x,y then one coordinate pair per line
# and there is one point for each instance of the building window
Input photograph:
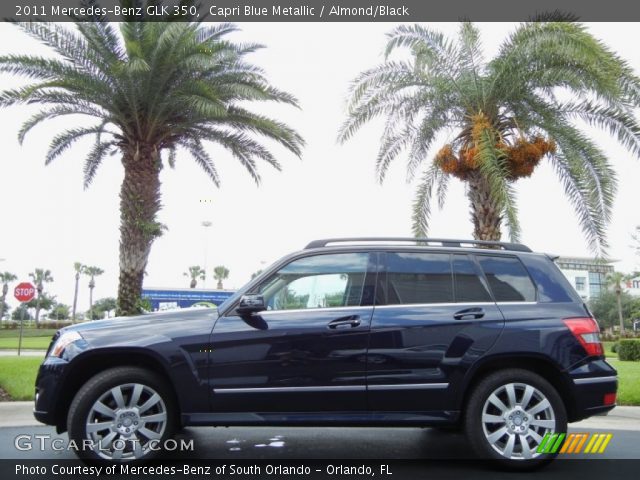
x,y
596,283
580,283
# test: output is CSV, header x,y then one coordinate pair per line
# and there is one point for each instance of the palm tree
x,y
79,269
152,88
614,280
502,116
5,278
40,276
220,273
92,273
256,273
196,272
42,302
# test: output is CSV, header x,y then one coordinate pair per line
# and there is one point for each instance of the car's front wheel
x,y
122,414
508,415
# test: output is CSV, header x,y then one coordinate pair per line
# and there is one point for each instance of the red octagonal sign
x,y
24,292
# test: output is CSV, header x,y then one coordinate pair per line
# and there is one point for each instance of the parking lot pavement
x,y
321,443
227,444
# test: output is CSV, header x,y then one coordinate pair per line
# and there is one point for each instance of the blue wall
x,y
183,298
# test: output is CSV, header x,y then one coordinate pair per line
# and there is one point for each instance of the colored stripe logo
x,y
574,443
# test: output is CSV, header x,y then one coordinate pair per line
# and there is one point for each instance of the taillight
x,y
587,332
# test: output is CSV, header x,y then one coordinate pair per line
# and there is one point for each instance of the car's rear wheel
x,y
122,414
508,415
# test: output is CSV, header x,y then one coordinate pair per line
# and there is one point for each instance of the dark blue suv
x,y
485,336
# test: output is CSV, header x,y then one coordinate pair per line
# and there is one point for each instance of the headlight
x,y
63,341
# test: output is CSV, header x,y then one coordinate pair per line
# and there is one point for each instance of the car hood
x,y
151,322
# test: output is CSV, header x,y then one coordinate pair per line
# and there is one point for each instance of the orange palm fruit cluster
x,y
522,157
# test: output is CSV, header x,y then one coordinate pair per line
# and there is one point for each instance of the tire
x,y
511,435
129,426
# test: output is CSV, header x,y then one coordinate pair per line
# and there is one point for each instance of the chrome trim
x,y
588,380
316,309
410,386
423,305
335,388
320,388
399,305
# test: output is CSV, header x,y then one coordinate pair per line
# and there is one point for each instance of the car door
x,y
307,351
436,318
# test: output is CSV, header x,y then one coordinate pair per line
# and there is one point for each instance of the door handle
x,y
351,321
474,312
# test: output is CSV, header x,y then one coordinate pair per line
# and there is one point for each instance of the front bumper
x,y
48,390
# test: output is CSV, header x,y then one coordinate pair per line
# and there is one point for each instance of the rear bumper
x,y
591,383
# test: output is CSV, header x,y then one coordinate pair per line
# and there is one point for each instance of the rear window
x,y
552,284
508,279
414,278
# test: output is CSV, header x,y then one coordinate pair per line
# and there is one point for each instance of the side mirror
x,y
251,304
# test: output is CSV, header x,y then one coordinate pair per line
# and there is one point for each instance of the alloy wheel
x,y
126,422
515,419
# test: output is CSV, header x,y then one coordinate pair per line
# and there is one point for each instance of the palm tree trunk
x,y
4,296
38,308
139,204
485,210
620,317
219,284
5,290
91,303
75,299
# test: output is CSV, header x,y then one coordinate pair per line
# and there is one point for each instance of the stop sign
x,y
24,292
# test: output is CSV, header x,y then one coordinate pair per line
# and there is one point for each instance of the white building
x,y
587,275
632,286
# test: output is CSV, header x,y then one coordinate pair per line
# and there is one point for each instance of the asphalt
x,y
406,453
330,442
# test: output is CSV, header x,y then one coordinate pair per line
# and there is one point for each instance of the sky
x,y
50,221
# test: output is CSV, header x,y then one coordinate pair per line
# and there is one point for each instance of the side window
x,y
419,278
468,286
508,279
321,281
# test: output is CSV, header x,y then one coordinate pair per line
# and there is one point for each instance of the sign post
x,y
24,292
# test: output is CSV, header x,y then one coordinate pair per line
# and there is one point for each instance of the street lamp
x,y
206,224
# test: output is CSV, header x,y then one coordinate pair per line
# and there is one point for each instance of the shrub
x,y
614,347
629,349
608,336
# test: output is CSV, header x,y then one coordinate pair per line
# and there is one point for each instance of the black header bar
x,y
318,10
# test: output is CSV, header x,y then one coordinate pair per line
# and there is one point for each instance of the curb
x,y
23,353
17,414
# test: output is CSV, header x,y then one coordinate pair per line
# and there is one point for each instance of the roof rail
x,y
443,242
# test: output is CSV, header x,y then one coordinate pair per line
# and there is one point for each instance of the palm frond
x,y
431,178
94,160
